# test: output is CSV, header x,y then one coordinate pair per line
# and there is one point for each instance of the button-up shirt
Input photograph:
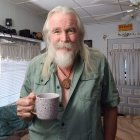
x,y
81,119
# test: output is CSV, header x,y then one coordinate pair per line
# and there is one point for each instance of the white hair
x,y
83,50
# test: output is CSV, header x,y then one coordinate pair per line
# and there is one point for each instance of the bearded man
x,y
79,74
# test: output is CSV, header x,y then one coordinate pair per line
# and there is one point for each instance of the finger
x,y
32,95
26,101
25,115
25,108
25,112
23,102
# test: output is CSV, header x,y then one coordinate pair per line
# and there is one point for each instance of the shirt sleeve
x,y
26,86
110,95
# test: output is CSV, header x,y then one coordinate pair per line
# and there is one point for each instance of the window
x,y
12,74
125,64
14,60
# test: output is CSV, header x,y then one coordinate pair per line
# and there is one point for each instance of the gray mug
x,y
46,106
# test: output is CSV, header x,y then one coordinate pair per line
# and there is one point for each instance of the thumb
x,y
32,95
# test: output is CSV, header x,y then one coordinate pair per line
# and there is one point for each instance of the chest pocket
x,y
42,81
92,76
90,86
40,85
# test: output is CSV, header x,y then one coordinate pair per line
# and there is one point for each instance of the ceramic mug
x,y
46,106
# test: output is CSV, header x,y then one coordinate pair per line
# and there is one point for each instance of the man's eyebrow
x,y
67,29
54,29
72,28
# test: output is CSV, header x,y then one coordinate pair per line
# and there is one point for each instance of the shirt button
x,y
62,124
41,80
58,87
60,104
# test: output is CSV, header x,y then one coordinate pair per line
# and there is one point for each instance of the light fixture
x,y
135,2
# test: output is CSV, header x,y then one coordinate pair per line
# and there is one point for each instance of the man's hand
x,y
25,106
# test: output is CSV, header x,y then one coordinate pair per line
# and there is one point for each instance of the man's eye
x,y
56,32
71,30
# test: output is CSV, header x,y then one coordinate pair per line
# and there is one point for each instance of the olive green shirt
x,y
81,119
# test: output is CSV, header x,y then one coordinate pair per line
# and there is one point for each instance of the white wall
x,y
26,19
22,18
95,33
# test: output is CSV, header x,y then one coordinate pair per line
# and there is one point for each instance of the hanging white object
x,y
135,2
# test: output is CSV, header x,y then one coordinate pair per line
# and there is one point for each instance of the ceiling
x,y
90,11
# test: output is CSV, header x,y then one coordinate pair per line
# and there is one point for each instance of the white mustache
x,y
64,45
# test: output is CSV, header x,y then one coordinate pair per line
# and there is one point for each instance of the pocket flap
x,y
89,76
42,81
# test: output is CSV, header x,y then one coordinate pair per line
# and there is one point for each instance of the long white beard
x,y
66,59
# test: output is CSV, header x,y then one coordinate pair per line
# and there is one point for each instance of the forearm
x,y
110,123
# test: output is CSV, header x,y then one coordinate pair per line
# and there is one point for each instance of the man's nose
x,y
64,37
